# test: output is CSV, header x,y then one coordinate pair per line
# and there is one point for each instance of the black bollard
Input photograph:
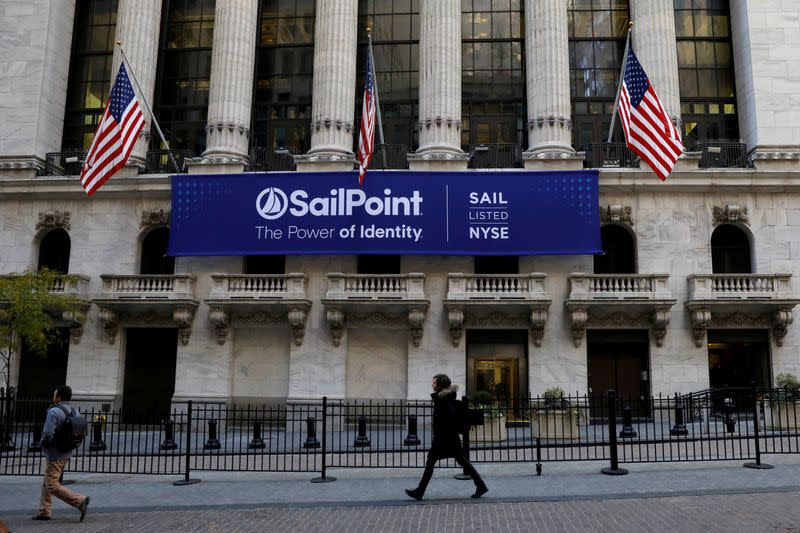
x,y
169,436
212,443
97,444
627,423
730,422
36,440
257,442
614,469
679,429
311,433
362,440
412,439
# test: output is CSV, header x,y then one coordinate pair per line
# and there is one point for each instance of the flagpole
x,y
621,79
375,87
147,106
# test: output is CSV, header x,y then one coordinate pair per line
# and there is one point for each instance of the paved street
x,y
702,497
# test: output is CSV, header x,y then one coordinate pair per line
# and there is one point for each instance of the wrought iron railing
x,y
495,155
272,159
67,163
159,162
609,155
389,157
722,154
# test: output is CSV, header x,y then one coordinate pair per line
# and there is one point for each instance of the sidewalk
x,y
368,487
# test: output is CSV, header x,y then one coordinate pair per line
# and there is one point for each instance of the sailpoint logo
x,y
272,203
275,204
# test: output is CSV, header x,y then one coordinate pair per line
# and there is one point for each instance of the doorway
x,y
619,360
736,358
150,358
497,365
40,374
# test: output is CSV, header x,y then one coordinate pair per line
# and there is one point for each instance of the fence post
x,y
614,469
679,429
6,442
756,425
324,478
465,438
311,432
186,480
538,456
412,439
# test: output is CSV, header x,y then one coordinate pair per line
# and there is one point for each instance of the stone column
x,y
439,87
655,46
138,23
334,88
547,67
231,89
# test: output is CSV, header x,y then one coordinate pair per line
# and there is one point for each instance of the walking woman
x,y
446,442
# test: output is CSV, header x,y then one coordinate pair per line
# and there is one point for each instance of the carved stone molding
x,y
740,319
730,213
376,319
263,318
335,319
52,219
579,318
297,320
110,323
701,318
154,217
329,123
416,319
439,121
618,319
220,319
661,319
183,319
506,320
455,318
616,213
551,120
538,318
75,321
781,319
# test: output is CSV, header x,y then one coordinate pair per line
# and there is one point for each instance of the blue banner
x,y
395,212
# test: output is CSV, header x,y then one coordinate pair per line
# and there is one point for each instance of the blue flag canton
x,y
635,79
368,77
121,94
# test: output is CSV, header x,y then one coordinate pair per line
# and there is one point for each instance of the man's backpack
x,y
71,433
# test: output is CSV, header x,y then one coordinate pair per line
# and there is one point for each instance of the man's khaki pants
x,y
52,487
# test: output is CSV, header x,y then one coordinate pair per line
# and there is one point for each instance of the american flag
x,y
649,132
366,135
116,135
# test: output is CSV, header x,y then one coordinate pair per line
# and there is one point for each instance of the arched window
x,y
730,251
54,251
154,250
619,251
705,68
597,31
496,264
265,264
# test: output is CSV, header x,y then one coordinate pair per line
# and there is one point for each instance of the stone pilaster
x,y
655,46
439,87
231,90
138,23
333,96
547,67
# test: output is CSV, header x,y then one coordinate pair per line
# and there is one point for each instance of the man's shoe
x,y
38,516
416,494
83,506
480,491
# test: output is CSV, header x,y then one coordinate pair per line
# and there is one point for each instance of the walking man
x,y
57,457
446,442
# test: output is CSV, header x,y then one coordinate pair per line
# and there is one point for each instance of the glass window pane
x,y
720,26
582,24
683,24
482,24
726,83
602,24
402,27
723,53
707,81
501,25
686,56
605,54
705,53
688,83
702,25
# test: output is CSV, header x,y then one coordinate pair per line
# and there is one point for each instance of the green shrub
x,y
790,385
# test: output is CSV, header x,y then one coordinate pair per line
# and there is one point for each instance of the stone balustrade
x,y
740,286
238,286
495,286
376,286
171,286
619,286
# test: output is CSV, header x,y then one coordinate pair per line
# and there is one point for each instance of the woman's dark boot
x,y
480,490
416,494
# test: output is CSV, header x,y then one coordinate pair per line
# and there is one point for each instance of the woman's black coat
x,y
446,440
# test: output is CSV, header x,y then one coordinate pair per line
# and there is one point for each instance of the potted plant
x,y
782,411
494,420
553,417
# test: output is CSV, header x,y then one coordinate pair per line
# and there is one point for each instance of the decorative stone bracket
x,y
659,320
222,320
337,322
701,318
579,319
616,213
75,321
182,317
778,321
155,217
730,213
53,219
457,320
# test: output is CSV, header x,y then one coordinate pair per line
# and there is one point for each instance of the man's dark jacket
x,y
446,440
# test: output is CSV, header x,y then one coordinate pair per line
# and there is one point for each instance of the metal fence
x,y
712,425
272,159
722,154
67,163
609,155
159,161
495,155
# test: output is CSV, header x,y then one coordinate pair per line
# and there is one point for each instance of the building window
x,y
493,72
496,264
154,258
90,71
619,251
395,45
184,71
730,251
284,75
378,264
54,251
705,69
597,32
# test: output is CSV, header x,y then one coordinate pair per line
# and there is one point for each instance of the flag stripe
x,y
366,136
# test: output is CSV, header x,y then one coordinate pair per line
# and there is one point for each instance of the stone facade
x,y
277,354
